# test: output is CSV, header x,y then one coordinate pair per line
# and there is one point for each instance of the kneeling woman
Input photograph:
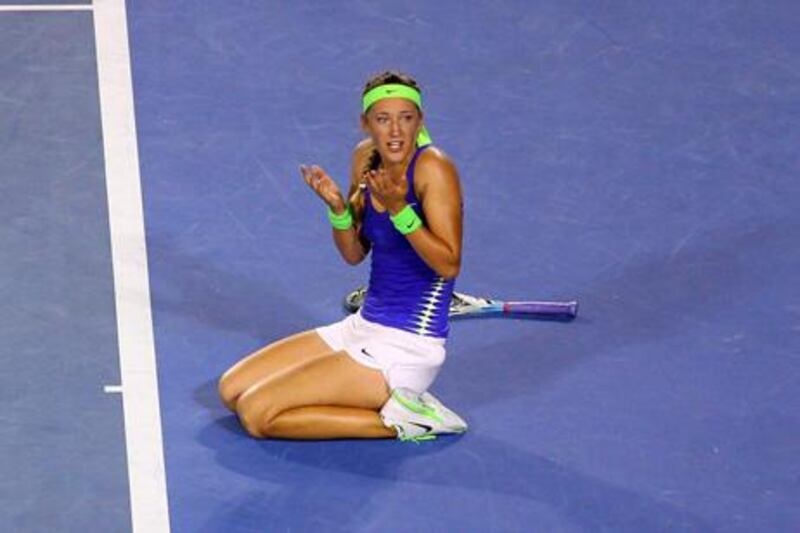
x,y
368,375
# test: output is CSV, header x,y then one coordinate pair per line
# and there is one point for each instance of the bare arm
x,y
347,241
437,185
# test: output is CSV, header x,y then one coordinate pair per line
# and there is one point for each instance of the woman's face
x,y
393,125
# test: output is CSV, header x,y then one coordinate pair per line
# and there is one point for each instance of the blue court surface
x,y
641,157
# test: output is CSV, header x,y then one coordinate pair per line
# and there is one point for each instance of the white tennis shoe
x,y
419,417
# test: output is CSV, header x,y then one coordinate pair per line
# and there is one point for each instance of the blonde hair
x,y
355,196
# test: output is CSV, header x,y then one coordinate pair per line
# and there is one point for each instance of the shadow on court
x,y
662,297
496,469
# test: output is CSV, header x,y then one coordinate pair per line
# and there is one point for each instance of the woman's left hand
x,y
389,190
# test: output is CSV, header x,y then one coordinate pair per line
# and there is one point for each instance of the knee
x,y
228,391
251,424
255,414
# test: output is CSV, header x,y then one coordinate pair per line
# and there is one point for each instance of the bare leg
x,y
285,355
333,380
329,422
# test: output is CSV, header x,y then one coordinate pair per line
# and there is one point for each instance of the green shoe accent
x,y
419,408
418,439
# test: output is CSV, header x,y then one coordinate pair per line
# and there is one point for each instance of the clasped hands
x,y
386,188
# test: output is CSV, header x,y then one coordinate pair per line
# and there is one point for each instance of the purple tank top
x,y
404,292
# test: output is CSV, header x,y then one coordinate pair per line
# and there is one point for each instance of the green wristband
x,y
406,220
343,221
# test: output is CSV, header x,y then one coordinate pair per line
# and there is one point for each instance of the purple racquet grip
x,y
542,308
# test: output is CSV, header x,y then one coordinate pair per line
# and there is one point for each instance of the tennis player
x,y
368,375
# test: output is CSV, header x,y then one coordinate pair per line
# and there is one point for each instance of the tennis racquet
x,y
464,305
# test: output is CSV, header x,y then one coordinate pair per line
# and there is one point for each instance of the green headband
x,y
397,90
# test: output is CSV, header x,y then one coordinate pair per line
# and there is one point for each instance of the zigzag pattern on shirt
x,y
427,315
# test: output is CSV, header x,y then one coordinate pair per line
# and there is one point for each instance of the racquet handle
x,y
541,308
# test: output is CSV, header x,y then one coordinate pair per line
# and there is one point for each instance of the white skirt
x,y
406,359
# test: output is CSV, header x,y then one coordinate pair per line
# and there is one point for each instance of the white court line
x,y
112,389
148,487
41,7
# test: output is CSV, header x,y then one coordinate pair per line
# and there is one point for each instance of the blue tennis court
x,y
639,157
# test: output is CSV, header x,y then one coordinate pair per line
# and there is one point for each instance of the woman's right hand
x,y
324,186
